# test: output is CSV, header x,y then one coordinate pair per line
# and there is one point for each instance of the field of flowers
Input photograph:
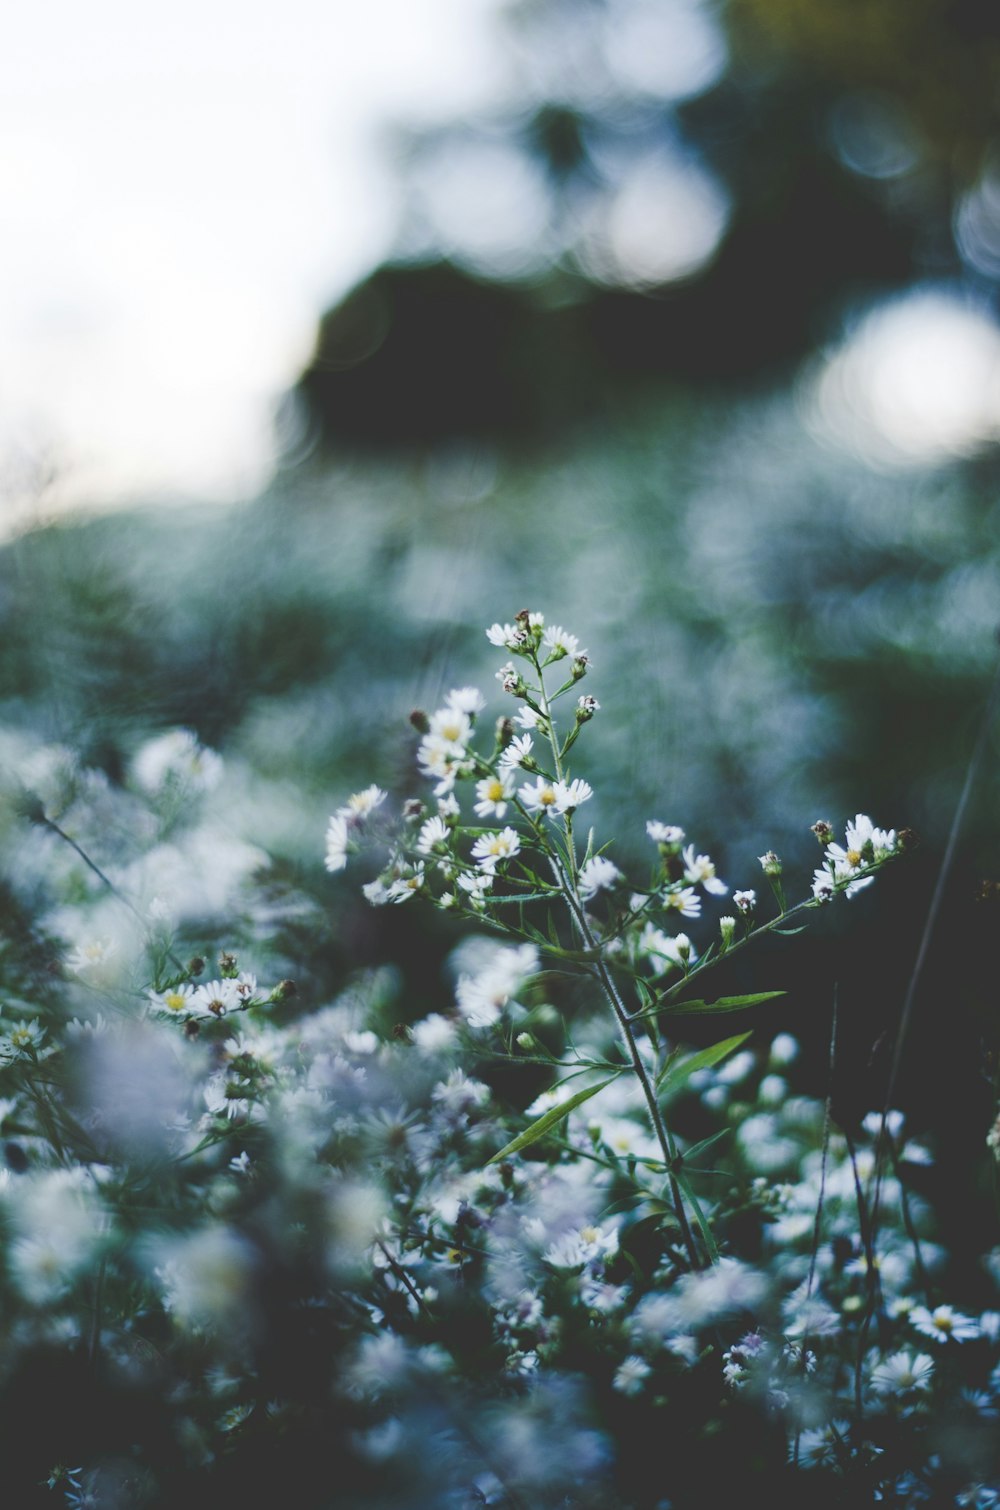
x,y
563,1228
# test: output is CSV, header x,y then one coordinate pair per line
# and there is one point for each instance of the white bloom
x,y
685,901
527,718
657,945
494,793
217,997
448,806
516,752
434,831
452,726
440,760
571,795
91,956
176,759
822,886
467,700
902,1372
362,803
433,1033
664,833
337,841
490,849
559,642
376,892
509,636
406,886
632,1375
598,874
582,1245
476,883
482,997
540,798
944,1324
700,868
746,901
176,999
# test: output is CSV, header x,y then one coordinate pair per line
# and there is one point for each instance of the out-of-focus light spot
x,y
673,51
872,135
663,222
917,382
977,224
486,204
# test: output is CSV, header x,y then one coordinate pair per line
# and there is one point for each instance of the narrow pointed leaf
x,y
724,1003
699,1148
550,1119
673,1075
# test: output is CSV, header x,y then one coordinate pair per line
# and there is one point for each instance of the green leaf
x,y
699,1148
549,1120
724,1003
673,1076
699,1216
786,933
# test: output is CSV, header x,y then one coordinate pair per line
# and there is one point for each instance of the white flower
x,y
822,886
376,892
362,803
664,833
944,1324
598,874
406,886
494,793
467,700
685,901
476,883
540,798
453,726
631,1375
560,643
583,1245
489,850
434,831
571,795
516,752
441,761
527,718
176,759
91,956
337,841
482,997
216,997
175,999
700,868
509,636
902,1372
746,901
433,1033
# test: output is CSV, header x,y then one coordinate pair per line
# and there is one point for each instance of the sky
x,y
184,187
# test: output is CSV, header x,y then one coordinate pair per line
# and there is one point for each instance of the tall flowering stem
x,y
523,853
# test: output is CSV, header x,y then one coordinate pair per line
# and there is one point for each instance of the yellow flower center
x,y
174,1000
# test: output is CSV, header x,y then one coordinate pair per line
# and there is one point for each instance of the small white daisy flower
x,y
489,850
664,833
944,1324
467,700
494,793
598,874
699,868
435,831
631,1375
746,901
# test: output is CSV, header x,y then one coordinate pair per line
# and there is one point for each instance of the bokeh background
x,y
334,334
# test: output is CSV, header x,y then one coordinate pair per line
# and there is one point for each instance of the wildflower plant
x,y
542,877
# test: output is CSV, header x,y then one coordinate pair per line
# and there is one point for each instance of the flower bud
x,y
283,990
505,732
195,965
823,831
727,927
228,968
420,721
770,864
586,707
579,667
